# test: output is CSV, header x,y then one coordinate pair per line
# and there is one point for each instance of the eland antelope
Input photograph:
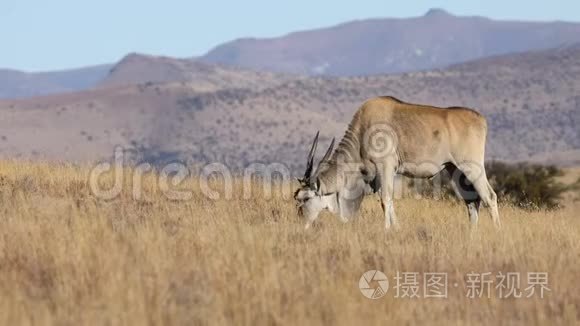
x,y
387,137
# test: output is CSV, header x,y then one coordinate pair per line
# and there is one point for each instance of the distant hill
x,y
145,69
531,101
15,84
135,69
393,45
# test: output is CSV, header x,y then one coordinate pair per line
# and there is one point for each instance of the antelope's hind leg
x,y
478,179
465,190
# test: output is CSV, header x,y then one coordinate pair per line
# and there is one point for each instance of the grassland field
x,y
70,258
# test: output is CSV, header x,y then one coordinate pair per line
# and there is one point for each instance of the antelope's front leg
x,y
387,195
349,204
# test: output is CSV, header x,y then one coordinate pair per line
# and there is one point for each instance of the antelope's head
x,y
310,200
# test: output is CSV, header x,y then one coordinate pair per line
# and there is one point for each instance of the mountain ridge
x,y
18,84
530,100
362,47
392,45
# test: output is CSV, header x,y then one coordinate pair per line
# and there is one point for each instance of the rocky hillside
x,y
531,100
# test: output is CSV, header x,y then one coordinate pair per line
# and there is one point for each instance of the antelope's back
x,y
426,132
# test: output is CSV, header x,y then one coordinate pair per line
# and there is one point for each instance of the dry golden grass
x,y
68,258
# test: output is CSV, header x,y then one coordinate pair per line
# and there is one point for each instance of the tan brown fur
x,y
422,141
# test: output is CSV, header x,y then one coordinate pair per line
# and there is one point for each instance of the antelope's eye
x,y
300,195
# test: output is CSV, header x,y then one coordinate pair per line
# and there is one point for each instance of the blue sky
x,y
39,35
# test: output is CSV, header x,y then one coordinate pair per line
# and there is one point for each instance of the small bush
x,y
529,186
525,185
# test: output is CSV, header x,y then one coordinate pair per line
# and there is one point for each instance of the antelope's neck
x,y
345,160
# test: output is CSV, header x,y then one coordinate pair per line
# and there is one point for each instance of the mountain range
x,y
161,109
393,45
365,47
